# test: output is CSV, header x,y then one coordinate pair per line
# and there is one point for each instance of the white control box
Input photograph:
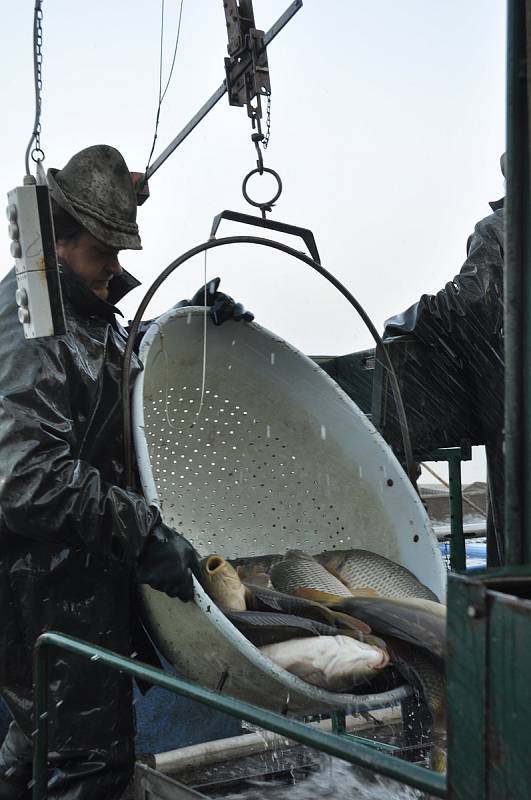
x,y
38,296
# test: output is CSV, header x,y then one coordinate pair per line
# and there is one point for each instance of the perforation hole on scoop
x,y
269,454
225,474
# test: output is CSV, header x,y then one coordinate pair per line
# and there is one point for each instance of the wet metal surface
x,y
298,773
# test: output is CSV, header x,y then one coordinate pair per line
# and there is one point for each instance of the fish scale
x,y
301,571
360,569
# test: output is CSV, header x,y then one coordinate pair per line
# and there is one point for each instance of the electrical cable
x,y
162,94
174,52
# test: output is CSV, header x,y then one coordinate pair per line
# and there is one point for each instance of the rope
x,y
203,372
444,483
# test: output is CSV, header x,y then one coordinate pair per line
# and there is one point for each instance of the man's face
x,y
95,263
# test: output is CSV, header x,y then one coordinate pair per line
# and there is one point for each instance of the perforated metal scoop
x,y
276,456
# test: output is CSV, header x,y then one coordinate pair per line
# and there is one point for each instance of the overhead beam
x,y
218,94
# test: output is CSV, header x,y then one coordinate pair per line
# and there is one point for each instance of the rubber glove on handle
x,y
222,306
168,562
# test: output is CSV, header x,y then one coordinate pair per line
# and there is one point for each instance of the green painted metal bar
x,y
338,746
466,672
389,748
457,540
339,722
517,298
40,748
454,456
508,697
339,728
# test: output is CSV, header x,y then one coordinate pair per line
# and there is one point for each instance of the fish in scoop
x,y
415,620
223,584
337,663
358,569
297,570
420,622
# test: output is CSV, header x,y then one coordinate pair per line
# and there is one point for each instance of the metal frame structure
x,y
517,291
489,616
339,746
454,456
275,29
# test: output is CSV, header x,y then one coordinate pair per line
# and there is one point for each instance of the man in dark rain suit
x,y
74,541
465,319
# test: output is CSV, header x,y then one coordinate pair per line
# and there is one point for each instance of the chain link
x,y
36,152
268,123
38,85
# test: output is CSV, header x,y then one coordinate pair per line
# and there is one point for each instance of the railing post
x,y
517,297
40,746
453,456
457,539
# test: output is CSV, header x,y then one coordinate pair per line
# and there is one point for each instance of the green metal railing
x,y
359,754
517,295
454,456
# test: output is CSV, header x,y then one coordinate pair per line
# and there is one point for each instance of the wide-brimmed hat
x,y
96,188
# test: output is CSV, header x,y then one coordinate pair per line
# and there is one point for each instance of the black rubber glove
x,y
222,307
167,563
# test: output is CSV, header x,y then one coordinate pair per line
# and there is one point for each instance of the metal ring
x,y
267,203
134,326
37,154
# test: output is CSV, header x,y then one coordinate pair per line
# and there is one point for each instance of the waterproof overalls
x,y
69,535
466,319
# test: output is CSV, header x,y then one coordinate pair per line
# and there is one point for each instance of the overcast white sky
x,y
387,127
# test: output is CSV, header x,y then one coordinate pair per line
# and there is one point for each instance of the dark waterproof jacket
x,y
466,319
69,530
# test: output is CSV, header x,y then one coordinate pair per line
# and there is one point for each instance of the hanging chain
x,y
268,123
37,153
38,82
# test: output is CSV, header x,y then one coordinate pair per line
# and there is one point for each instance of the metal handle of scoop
x,y
272,225
209,245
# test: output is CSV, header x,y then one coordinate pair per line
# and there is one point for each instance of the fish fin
x,y
389,617
376,642
363,591
430,606
351,622
317,595
356,591
336,574
438,758
328,601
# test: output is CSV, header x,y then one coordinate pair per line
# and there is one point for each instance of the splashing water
x,y
334,778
